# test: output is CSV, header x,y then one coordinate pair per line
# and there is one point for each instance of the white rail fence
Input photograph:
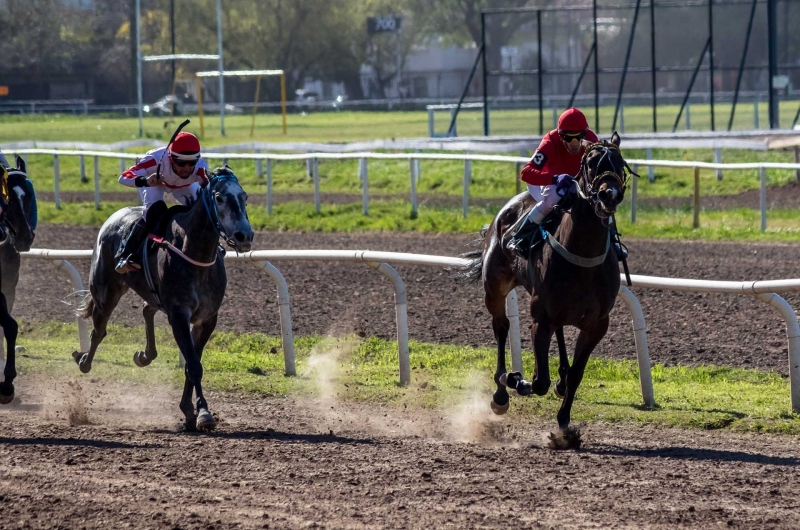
x,y
263,160
382,261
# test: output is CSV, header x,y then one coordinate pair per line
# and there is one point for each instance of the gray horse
x,y
17,224
182,274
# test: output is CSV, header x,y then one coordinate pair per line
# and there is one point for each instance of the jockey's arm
x,y
137,175
4,161
537,172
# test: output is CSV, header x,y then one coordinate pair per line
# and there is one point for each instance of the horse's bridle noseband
x,y
588,189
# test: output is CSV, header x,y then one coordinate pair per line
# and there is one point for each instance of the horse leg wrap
x,y
510,380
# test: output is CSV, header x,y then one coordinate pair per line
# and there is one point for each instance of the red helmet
x,y
186,146
572,120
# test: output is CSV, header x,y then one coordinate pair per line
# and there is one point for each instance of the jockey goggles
x,y
570,137
182,160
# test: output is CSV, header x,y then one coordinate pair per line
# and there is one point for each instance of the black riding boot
x,y
130,246
521,238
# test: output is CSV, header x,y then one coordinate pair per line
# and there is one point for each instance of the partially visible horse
x,y
17,224
573,279
182,274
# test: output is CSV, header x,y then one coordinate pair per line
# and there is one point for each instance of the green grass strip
x,y
365,370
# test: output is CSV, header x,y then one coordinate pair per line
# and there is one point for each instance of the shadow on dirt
x,y
686,453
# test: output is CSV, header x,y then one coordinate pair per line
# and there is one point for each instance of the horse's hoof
x,y
6,393
191,424
85,365
140,359
76,356
558,391
205,420
566,438
500,409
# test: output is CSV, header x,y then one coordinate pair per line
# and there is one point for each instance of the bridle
x,y
207,196
589,189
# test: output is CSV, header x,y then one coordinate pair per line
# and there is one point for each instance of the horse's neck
x,y
582,232
194,233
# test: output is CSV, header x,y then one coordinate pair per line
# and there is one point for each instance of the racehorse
x,y
182,274
572,277
17,224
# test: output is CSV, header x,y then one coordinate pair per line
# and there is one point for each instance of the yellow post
x,y
283,101
696,222
200,104
255,107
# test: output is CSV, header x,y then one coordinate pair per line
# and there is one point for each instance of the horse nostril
x,y
238,236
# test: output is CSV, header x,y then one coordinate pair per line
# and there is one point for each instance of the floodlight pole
x,y
221,71
596,70
139,63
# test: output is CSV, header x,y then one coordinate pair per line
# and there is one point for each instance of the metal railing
x,y
762,290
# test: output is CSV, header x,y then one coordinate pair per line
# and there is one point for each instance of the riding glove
x,y
564,184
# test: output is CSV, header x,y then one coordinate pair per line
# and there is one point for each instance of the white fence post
x,y
634,193
122,164
315,172
514,337
755,114
413,168
431,129
718,160
642,350
648,155
269,186
364,176
96,183
762,173
793,336
401,313
82,162
56,182
78,290
287,337
467,179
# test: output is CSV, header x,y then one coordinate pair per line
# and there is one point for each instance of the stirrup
x,y
621,250
126,265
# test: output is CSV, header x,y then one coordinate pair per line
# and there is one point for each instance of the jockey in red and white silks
x,y
177,169
179,174
551,172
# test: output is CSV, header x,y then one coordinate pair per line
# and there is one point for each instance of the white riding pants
x,y
152,194
546,199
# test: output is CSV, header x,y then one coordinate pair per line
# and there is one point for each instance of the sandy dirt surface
x,y
326,298
90,454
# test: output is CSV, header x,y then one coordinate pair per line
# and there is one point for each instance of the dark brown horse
x,y
573,279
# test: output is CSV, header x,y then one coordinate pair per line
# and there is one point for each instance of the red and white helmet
x,y
186,146
572,120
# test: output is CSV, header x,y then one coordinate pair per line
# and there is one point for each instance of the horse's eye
x,y
219,199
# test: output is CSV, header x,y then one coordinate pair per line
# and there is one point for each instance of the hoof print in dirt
x,y
569,438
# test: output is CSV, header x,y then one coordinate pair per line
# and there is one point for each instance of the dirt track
x,y
683,328
280,463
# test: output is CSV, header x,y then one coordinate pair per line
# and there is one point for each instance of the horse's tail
x,y
472,272
88,307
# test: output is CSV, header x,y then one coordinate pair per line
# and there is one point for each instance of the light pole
x,y
139,63
221,71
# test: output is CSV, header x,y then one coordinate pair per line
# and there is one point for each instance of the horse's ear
x,y
21,164
615,139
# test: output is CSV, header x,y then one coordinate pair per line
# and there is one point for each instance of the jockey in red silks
x,y
550,174
176,169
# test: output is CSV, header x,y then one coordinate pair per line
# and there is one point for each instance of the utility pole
x,y
221,70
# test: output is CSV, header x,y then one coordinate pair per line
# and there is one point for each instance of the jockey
x,y
176,169
550,174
